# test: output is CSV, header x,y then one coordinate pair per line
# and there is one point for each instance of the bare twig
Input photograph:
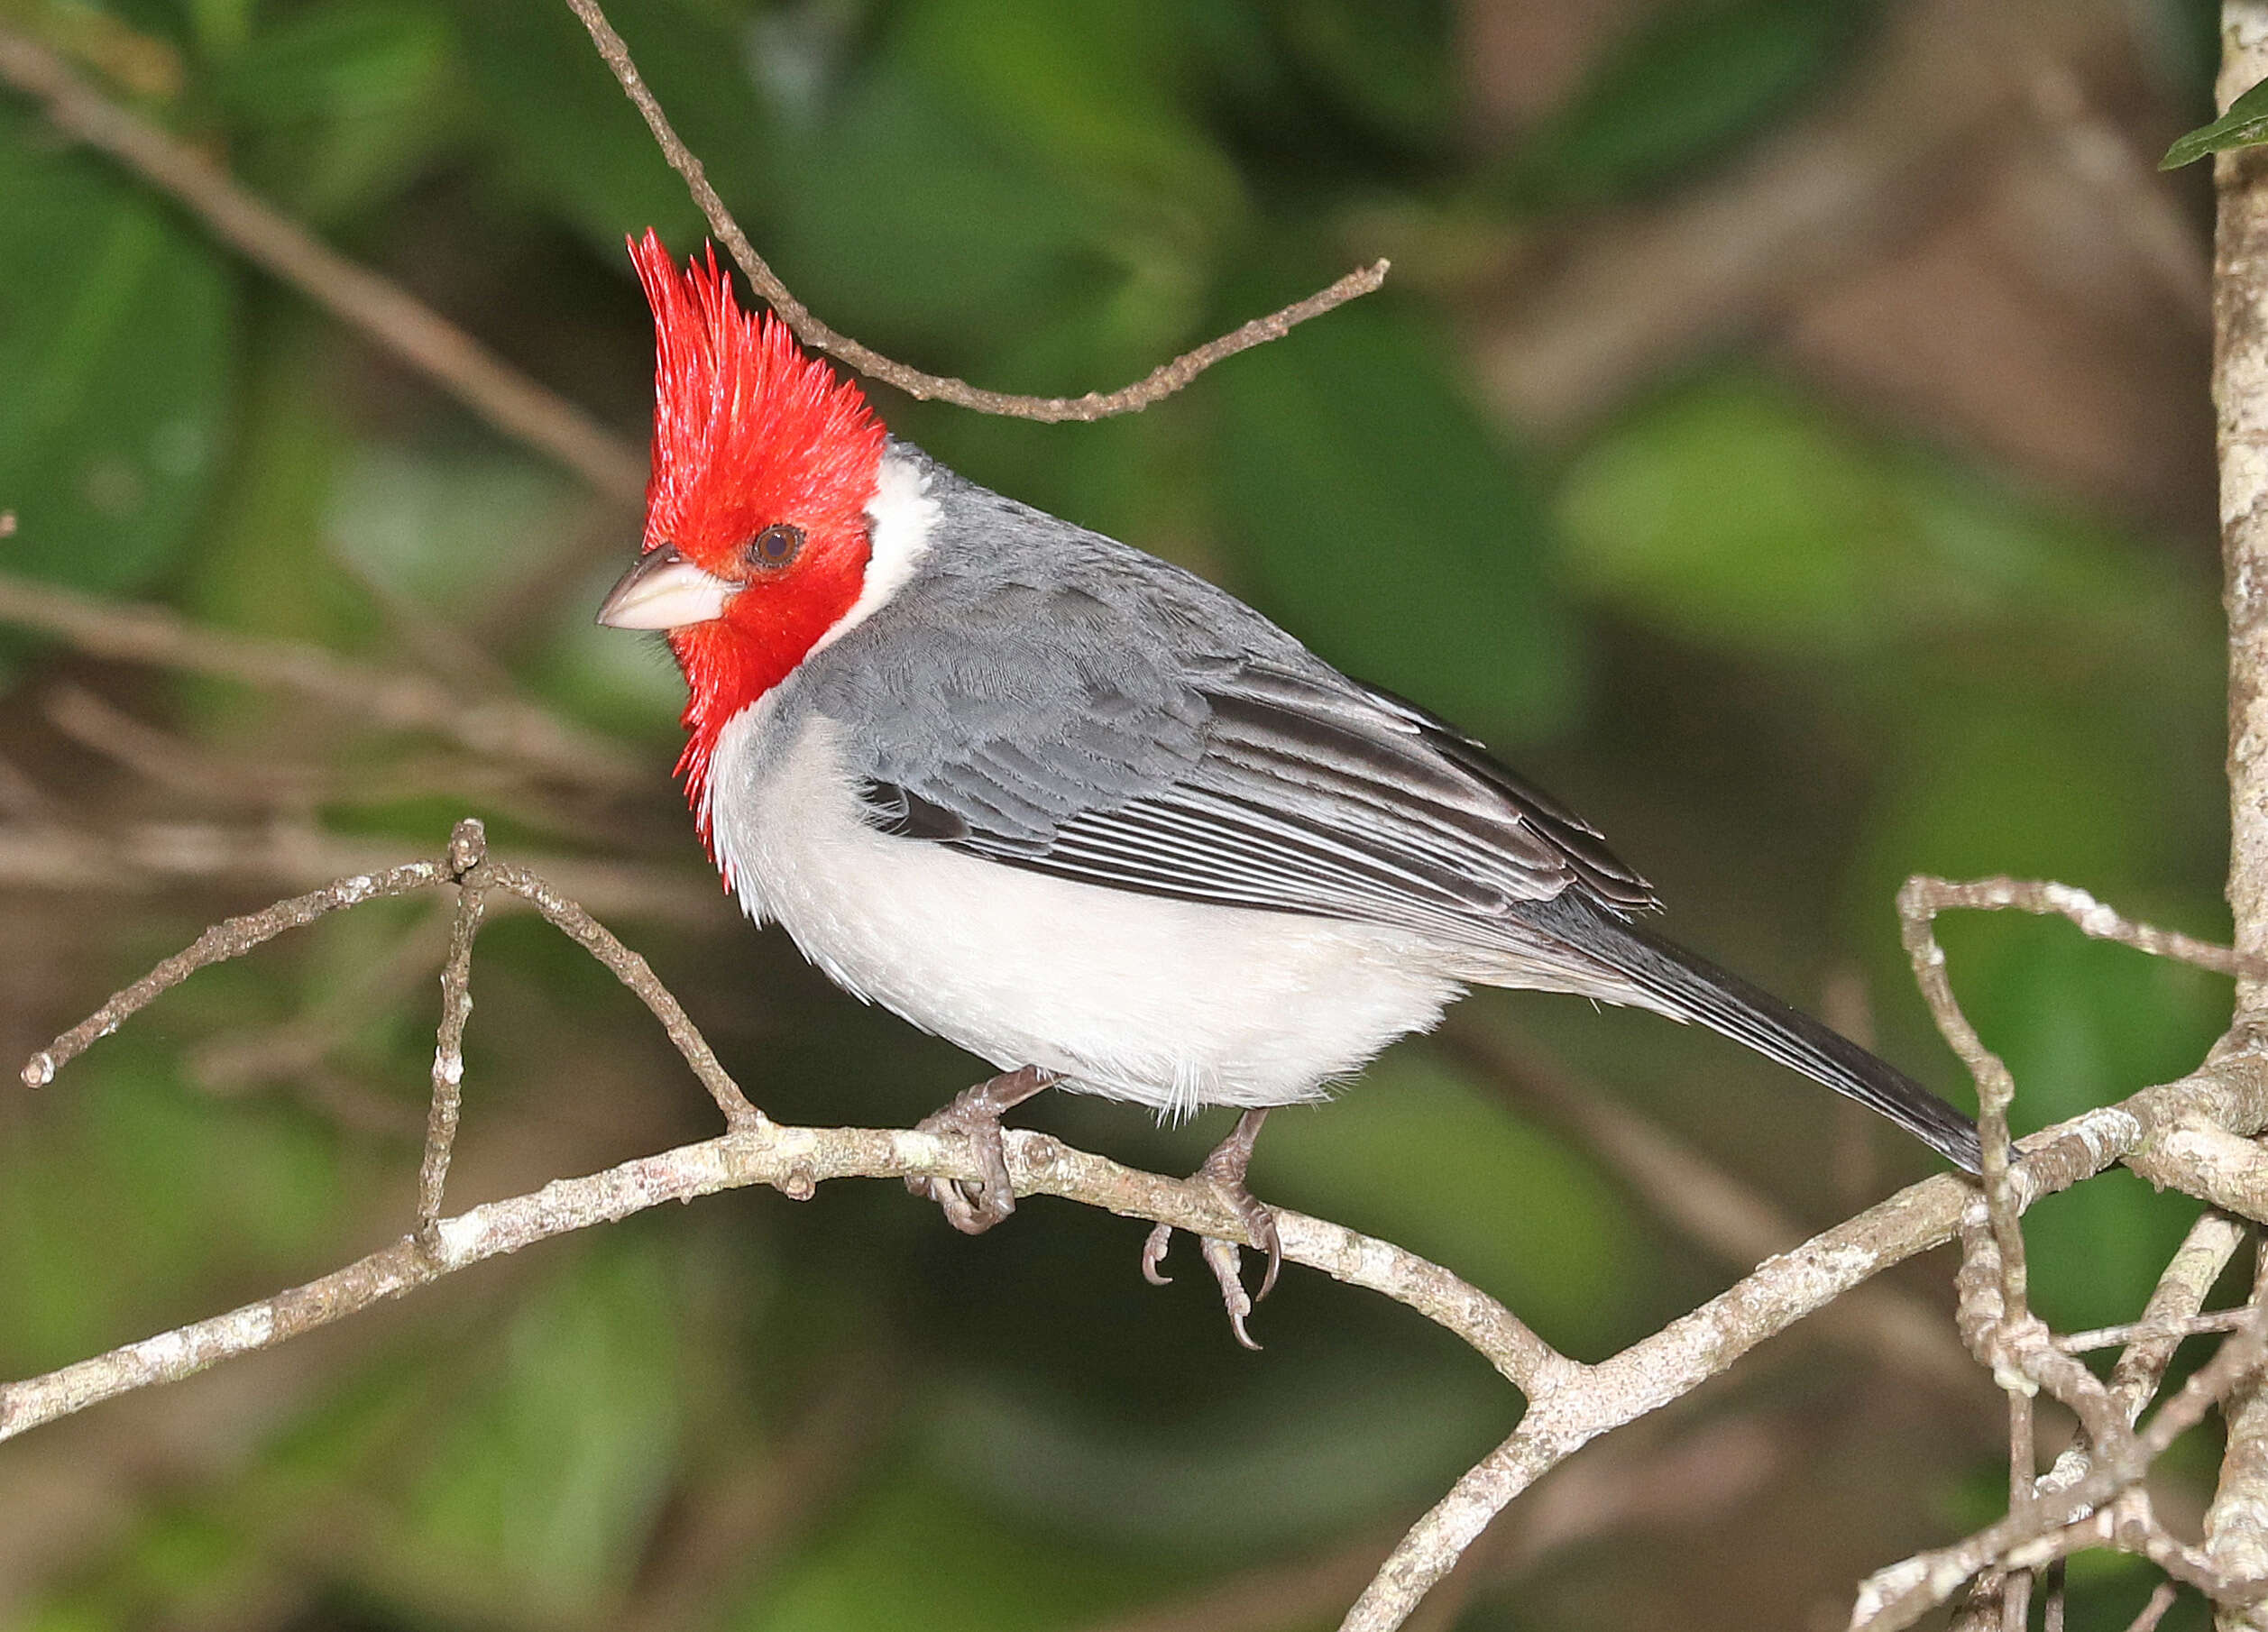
x,y
1570,1403
232,938
506,399
468,851
2182,1290
1995,1318
1896,1598
500,726
1160,384
632,970
2145,1331
2161,1600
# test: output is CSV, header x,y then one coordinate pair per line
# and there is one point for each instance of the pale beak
x,y
663,591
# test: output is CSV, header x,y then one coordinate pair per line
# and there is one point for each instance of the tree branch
x,y
1159,384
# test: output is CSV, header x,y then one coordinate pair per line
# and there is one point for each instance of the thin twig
x,y
1894,1598
1998,1330
633,972
2094,919
468,850
1161,382
500,726
377,308
231,937
2151,1332
2161,1599
2182,1287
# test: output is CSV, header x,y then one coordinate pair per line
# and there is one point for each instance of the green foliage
x,y
2246,124
1417,1156
888,1567
1737,514
1695,79
342,105
563,135
543,1478
109,1216
1390,525
115,328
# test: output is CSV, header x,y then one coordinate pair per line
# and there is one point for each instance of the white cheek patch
x,y
901,516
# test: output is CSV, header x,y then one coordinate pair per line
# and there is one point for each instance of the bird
x,y
1081,812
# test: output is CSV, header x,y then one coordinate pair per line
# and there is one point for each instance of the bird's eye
x,y
775,546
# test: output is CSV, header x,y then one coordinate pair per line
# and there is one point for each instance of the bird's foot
x,y
972,1206
1224,1171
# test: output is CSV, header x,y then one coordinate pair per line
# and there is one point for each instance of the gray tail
x,y
1690,987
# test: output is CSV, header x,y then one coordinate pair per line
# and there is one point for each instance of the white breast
x,y
1174,1004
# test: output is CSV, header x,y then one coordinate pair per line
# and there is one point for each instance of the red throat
x,y
748,433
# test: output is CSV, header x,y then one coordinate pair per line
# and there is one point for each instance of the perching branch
x,y
1570,1403
1159,384
755,1151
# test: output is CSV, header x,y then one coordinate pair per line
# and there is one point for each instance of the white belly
x,y
1174,1004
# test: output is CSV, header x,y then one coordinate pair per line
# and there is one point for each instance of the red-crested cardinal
x,y
1079,811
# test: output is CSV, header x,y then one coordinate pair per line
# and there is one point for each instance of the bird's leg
x,y
972,1207
1225,1170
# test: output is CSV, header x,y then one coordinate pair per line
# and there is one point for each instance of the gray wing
x,y
1253,784
1083,710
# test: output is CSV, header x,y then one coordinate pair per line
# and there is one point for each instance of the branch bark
x,y
1160,384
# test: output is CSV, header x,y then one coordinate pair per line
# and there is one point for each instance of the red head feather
x,y
748,433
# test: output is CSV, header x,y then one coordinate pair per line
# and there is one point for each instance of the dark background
x,y
1784,435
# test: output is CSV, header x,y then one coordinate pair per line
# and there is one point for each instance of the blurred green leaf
x,y
548,1473
1694,78
116,323
1327,1446
1386,524
1417,1156
567,137
2087,783
131,1195
917,1552
2246,124
340,105
967,224
1087,89
1739,514
1392,63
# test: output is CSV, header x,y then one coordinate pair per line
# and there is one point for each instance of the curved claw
x,y
1224,1171
1153,1254
1225,1259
